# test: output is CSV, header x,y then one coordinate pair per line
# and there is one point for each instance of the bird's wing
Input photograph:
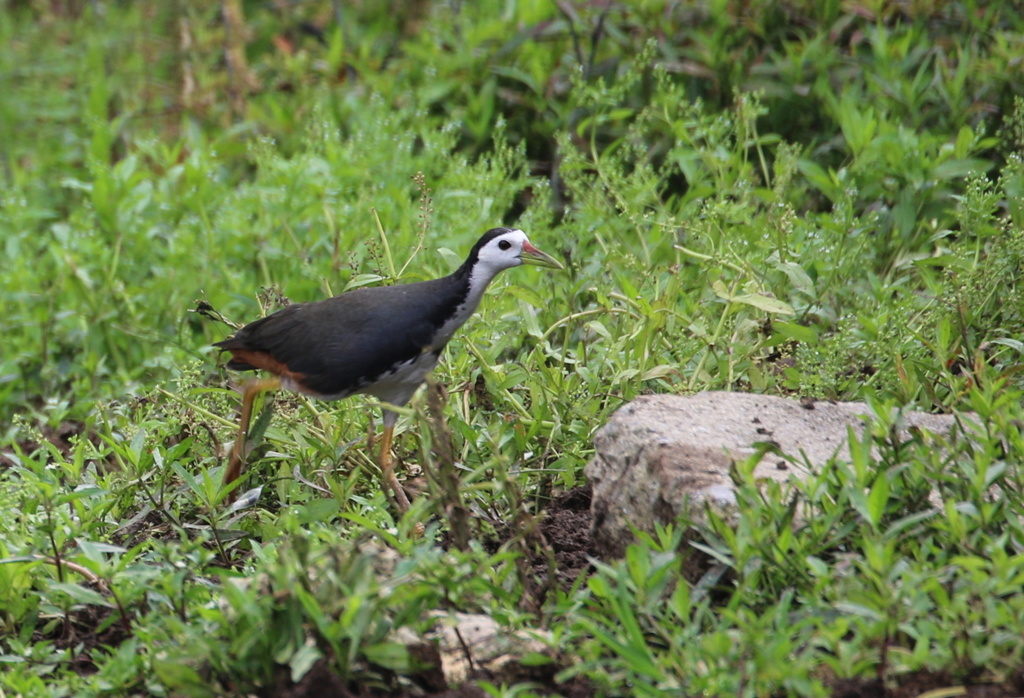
x,y
338,345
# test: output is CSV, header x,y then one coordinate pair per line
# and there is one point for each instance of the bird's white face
x,y
510,249
499,248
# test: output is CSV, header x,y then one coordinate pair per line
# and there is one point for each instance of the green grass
x,y
796,200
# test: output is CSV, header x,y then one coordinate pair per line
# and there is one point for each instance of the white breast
x,y
398,385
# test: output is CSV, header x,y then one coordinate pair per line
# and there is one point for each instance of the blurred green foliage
x,y
802,198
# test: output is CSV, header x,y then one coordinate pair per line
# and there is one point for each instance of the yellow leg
x,y
252,389
387,469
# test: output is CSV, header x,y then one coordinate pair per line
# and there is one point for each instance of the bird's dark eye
x,y
504,244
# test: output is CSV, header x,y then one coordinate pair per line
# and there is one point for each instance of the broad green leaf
x,y
952,169
765,303
81,594
92,548
183,678
303,660
798,277
660,371
390,655
878,499
794,331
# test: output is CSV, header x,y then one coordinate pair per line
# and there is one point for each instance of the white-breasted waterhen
x,y
379,341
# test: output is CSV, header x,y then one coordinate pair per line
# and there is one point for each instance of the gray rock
x,y
663,456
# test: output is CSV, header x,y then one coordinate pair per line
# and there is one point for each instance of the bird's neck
x,y
471,280
476,276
